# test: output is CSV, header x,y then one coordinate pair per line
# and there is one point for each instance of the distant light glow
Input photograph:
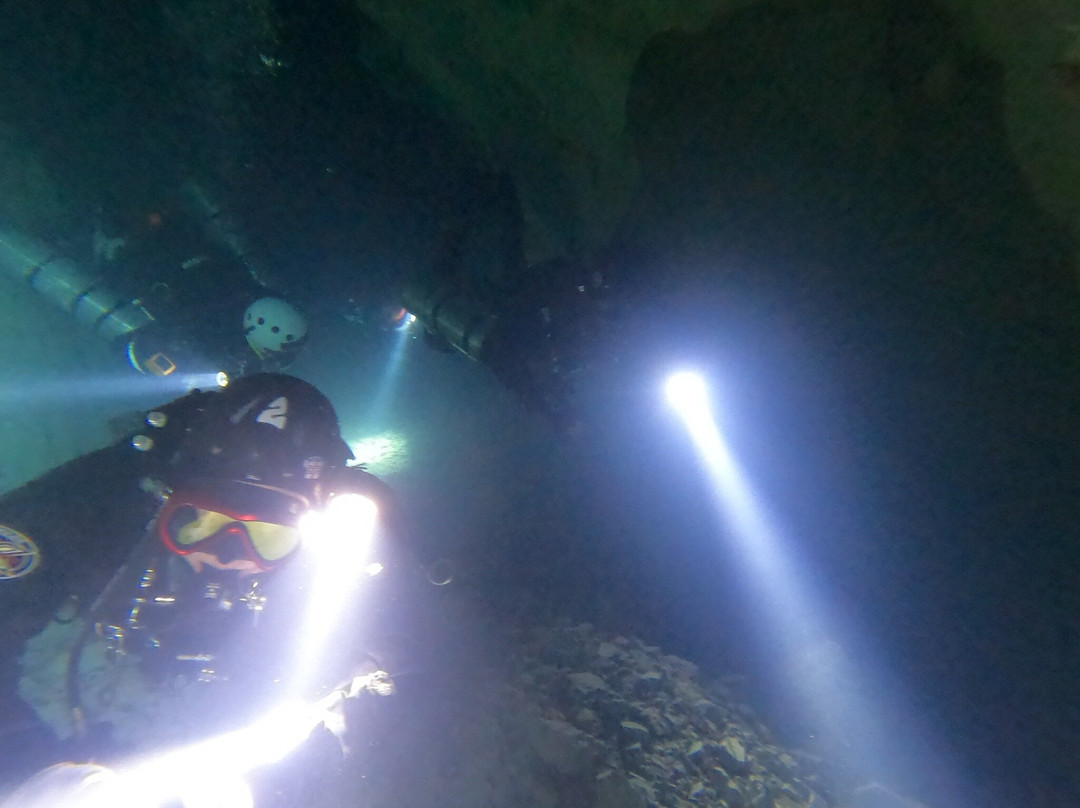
x,y
687,393
385,453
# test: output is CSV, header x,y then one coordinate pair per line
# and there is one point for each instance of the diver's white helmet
x,y
272,325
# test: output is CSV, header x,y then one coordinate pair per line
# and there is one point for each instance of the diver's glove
x,y
377,682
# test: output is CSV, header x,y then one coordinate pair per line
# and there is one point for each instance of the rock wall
x,y
1032,41
544,86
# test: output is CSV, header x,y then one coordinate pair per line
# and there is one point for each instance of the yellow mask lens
x,y
205,524
272,542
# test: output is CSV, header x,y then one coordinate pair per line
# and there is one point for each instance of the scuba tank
x,y
62,282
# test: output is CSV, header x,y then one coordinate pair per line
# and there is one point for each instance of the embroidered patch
x,y
19,555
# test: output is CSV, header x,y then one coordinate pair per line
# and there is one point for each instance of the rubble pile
x,y
566,717
634,727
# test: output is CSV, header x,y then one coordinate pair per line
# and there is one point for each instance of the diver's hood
x,y
267,428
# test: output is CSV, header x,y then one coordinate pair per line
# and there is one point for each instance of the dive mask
x,y
239,525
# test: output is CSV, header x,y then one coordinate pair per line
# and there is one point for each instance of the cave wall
x,y
544,86
541,85
1042,111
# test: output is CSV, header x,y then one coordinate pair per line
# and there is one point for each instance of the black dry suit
x,y
104,586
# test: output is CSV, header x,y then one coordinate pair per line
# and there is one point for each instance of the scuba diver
x,y
204,286
172,583
177,290
539,328
536,337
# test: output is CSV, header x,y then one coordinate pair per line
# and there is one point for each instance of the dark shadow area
x,y
843,172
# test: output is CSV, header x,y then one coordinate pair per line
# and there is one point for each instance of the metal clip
x,y
114,638
253,598
132,619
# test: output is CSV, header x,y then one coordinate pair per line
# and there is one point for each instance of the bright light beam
x,y
28,391
750,527
384,390
211,773
338,541
799,627
687,394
